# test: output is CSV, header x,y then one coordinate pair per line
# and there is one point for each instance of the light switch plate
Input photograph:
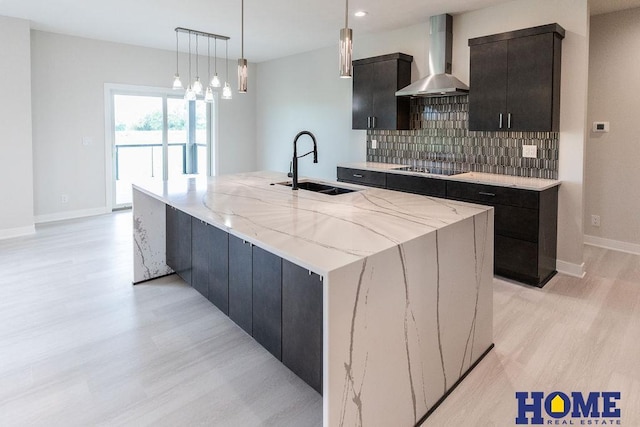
x,y
374,143
530,151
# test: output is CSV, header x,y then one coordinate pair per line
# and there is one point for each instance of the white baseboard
x,y
60,216
10,233
616,245
570,269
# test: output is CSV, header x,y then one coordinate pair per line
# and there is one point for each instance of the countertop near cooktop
x,y
524,183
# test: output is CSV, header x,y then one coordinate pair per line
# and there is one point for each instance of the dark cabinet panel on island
x,y
240,283
375,82
267,300
302,323
178,242
200,256
219,269
417,184
515,80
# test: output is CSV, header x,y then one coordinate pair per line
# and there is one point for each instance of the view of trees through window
x,y
138,131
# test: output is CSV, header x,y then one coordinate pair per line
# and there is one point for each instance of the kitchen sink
x,y
319,187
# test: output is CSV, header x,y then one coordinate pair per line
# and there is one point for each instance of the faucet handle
x,y
290,174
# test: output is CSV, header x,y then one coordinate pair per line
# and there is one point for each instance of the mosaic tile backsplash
x,y
440,139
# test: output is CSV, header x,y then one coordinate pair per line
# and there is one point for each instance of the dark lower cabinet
x,y
267,300
200,256
240,283
363,177
302,323
417,184
219,269
178,242
525,228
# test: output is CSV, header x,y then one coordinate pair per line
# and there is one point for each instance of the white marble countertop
x,y
317,231
523,183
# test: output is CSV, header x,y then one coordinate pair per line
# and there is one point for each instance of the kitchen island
x,y
406,282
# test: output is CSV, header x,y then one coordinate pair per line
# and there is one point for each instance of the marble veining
x,y
407,289
316,231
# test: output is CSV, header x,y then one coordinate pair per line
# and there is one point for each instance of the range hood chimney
x,y
439,82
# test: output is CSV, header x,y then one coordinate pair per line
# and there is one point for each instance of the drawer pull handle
x,y
357,175
482,193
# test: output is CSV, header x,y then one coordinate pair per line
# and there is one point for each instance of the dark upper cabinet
x,y
178,242
375,82
240,283
515,80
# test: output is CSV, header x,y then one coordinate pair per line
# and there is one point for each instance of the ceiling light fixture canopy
x,y
195,89
346,46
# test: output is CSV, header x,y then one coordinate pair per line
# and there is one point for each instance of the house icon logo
x,y
574,408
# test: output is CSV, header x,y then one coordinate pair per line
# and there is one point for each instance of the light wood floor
x,y
79,345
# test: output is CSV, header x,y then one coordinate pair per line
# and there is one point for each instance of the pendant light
x,y
346,46
242,63
177,83
215,81
208,96
189,94
197,86
226,90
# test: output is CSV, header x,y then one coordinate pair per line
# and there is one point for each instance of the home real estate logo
x,y
594,408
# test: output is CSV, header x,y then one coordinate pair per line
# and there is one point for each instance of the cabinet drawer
x,y
364,177
417,184
520,223
492,195
516,258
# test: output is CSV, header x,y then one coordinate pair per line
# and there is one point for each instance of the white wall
x,y
16,167
322,102
612,173
68,77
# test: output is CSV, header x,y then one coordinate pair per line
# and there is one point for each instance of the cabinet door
x,y
417,184
530,82
178,252
488,86
219,269
240,284
384,102
302,323
363,76
267,300
362,177
200,256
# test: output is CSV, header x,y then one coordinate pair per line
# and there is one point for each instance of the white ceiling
x,y
273,28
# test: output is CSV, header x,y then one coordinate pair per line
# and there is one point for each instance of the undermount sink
x,y
319,187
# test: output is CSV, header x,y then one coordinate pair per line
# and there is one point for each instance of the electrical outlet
x,y
64,198
595,220
374,143
530,151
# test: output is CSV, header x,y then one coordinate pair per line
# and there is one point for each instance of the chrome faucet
x,y
294,185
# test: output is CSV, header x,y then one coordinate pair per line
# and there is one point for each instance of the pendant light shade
x,y
242,63
208,96
177,83
346,46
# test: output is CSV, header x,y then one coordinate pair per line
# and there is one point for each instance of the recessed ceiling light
x,y
360,13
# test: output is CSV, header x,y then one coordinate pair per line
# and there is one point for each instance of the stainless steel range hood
x,y
439,82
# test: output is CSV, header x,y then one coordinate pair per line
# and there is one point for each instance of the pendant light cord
x,y
242,29
177,70
209,58
227,58
189,58
215,56
197,62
